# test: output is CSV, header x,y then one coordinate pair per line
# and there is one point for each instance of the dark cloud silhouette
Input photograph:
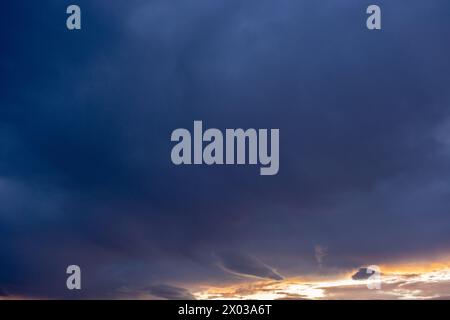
x,y
170,292
363,274
246,265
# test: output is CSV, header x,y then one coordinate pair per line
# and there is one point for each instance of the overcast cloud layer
x,y
86,118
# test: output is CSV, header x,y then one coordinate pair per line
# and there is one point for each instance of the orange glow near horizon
x,y
401,281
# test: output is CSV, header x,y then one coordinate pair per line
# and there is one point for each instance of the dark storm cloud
x,y
86,117
245,265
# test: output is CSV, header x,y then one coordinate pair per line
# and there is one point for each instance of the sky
x,y
86,176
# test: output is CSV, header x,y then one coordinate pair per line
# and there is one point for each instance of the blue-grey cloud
x,y
245,265
86,117
170,292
